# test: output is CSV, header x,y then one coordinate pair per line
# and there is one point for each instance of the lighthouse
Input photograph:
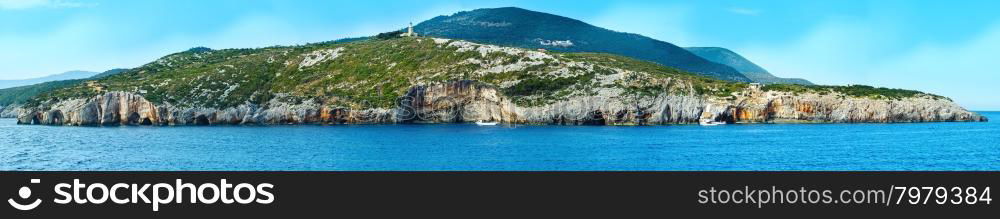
x,y
409,31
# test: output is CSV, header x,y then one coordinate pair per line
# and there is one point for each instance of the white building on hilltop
x,y
409,32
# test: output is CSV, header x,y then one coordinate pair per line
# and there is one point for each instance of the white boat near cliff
x,y
482,123
709,122
707,119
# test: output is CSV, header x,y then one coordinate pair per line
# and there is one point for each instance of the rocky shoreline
x,y
469,101
10,111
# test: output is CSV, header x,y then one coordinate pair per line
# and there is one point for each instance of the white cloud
x,y
744,11
27,4
667,22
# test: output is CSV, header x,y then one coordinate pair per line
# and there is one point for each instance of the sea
x,y
945,146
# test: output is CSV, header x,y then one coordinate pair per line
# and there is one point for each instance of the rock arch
x,y
132,119
57,118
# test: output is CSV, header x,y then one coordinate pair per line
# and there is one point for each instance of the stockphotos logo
x,y
25,193
148,194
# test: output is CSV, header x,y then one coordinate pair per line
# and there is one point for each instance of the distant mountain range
x,y
22,93
749,69
530,29
56,77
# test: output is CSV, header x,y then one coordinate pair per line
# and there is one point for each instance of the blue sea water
x,y
904,146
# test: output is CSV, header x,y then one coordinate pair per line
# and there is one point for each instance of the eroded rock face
x,y
115,108
9,111
830,108
468,101
461,101
120,108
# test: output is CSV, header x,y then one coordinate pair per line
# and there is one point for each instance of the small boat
x,y
709,122
481,123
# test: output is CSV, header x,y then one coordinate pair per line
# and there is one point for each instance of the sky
x,y
942,47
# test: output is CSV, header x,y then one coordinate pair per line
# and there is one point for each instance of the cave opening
x,y
57,117
621,116
146,121
133,118
201,120
596,118
559,120
339,116
35,120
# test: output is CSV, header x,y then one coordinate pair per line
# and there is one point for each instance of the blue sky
x,y
942,47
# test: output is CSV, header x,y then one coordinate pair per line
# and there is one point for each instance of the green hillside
x,y
376,72
518,27
20,95
749,69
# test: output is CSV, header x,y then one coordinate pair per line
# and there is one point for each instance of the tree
x,y
389,35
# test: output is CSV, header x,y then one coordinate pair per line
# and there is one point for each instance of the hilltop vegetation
x,y
419,79
504,64
530,29
852,90
376,72
70,75
746,67
21,95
